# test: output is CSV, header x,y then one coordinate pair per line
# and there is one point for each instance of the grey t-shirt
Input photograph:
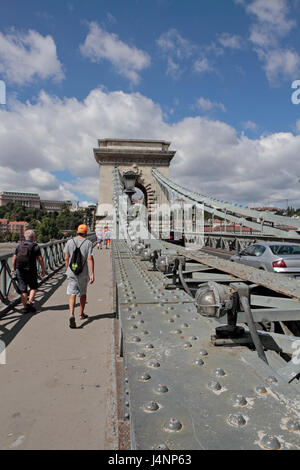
x,y
86,248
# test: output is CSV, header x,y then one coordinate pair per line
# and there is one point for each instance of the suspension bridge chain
x,y
268,224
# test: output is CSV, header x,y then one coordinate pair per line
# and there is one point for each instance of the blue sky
x,y
212,76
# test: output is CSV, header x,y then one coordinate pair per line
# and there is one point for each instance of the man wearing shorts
x,y
77,283
24,263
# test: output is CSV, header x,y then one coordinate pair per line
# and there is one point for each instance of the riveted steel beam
x,y
184,393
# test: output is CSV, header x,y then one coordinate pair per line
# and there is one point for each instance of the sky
x,y
219,79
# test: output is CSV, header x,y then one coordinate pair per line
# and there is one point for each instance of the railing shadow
x,y
13,322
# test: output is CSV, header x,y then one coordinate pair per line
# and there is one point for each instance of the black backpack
x,y
24,257
77,263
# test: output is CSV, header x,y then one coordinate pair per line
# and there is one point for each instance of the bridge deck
x,y
56,385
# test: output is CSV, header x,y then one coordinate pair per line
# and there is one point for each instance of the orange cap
x,y
82,228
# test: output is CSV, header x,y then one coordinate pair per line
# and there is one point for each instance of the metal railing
x,y
53,256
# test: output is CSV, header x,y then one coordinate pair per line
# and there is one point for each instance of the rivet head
x,y
135,339
215,386
293,425
271,379
161,447
144,332
177,332
150,406
219,372
203,352
133,327
261,390
240,400
170,320
236,420
193,338
153,364
173,425
149,346
131,317
144,377
161,388
185,325
187,345
140,355
141,322
198,362
270,442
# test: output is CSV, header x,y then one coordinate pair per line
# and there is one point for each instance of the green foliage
x,y
47,225
15,237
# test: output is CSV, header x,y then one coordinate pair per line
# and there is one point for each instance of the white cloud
x,y
26,57
280,64
181,54
231,41
272,24
202,65
128,60
54,135
272,21
206,105
250,125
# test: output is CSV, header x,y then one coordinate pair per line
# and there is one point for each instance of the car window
x,y
249,251
259,250
285,249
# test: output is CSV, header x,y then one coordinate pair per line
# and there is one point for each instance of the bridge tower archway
x,y
138,155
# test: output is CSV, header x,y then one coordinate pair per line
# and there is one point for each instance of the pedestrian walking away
x,y
107,236
24,264
79,262
99,236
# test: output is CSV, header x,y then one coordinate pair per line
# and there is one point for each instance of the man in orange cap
x,y
79,263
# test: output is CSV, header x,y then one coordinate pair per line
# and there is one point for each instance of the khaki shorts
x,y
77,285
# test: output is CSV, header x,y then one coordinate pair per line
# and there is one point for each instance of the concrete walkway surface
x,y
57,386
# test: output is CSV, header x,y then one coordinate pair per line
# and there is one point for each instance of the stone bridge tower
x,y
140,155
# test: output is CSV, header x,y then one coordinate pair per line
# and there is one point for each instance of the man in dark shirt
x,y
27,270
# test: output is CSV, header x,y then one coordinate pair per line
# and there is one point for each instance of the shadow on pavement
x,y
90,319
12,323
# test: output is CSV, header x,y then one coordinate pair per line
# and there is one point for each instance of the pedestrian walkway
x,y
57,386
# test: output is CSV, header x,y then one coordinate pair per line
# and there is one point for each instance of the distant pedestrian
x,y
79,262
25,266
99,236
107,236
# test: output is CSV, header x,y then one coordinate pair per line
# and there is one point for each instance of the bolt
x,y
215,386
240,400
173,425
236,420
219,372
261,390
270,442
161,388
151,406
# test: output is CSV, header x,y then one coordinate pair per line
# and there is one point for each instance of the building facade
x,y
26,199
32,200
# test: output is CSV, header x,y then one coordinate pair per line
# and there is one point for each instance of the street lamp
x,y
129,180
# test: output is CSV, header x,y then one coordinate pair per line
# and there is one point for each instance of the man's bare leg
x,y
82,304
32,295
72,301
24,299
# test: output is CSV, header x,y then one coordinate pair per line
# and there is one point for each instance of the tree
x,y
15,237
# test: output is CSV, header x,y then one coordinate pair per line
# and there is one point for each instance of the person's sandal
x,y
72,322
83,316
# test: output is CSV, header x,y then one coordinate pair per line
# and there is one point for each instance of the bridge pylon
x,y
140,156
